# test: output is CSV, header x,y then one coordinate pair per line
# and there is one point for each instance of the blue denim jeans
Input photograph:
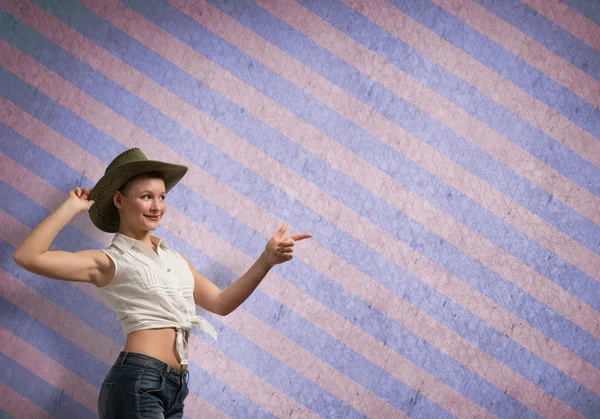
x,y
142,387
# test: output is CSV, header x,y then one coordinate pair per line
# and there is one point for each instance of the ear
x,y
117,199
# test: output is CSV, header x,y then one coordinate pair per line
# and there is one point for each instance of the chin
x,y
151,225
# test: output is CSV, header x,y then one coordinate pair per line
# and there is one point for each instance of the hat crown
x,y
128,156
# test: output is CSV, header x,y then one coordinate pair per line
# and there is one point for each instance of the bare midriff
x,y
157,343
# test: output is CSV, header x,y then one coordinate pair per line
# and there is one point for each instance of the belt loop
x,y
123,356
182,377
168,369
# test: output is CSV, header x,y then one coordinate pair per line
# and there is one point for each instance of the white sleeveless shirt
x,y
151,290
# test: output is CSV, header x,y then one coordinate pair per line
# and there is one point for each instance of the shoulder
x,y
107,262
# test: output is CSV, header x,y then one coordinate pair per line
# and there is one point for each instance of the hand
x,y
279,249
79,199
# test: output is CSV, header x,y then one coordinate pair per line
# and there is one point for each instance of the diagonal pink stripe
x,y
19,406
525,47
484,79
419,152
39,363
167,92
570,20
436,106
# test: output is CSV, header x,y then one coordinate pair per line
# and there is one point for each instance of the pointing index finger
x,y
301,236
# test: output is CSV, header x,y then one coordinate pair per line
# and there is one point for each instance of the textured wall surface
x,y
445,155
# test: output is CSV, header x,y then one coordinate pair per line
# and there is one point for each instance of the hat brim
x,y
103,213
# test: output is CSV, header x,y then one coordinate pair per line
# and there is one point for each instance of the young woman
x,y
152,288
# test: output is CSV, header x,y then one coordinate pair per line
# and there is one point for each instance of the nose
x,y
154,208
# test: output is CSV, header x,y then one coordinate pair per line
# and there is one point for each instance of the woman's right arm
x,y
92,266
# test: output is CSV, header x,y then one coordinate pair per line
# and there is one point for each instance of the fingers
x,y
85,193
301,236
285,245
285,250
282,229
286,242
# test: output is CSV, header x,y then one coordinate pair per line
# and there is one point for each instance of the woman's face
x,y
142,205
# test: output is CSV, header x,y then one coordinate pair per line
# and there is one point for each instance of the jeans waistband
x,y
151,362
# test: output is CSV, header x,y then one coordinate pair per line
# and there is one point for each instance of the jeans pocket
x,y
103,399
150,380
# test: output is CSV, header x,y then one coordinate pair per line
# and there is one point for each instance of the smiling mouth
x,y
154,218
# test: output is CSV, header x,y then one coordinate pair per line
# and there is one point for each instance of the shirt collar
x,y
125,243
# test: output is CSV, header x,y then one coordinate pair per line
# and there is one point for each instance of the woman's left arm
x,y
207,295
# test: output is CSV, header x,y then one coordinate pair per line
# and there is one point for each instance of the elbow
x,y
215,307
222,305
27,262
223,311
20,259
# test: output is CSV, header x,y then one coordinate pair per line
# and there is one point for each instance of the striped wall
x,y
445,155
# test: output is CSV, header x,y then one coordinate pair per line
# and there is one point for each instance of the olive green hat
x,y
126,165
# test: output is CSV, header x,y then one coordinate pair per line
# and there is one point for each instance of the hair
x,y
146,175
